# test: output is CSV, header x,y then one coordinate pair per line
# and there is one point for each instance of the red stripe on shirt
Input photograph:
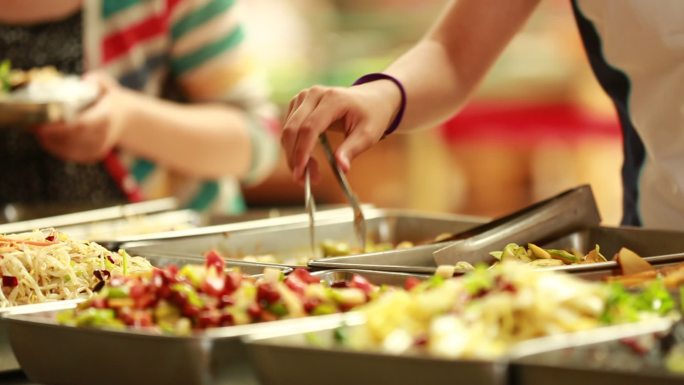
x,y
171,4
119,43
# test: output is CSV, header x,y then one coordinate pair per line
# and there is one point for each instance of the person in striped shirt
x,y
183,110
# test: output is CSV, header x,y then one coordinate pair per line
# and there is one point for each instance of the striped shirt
x,y
198,47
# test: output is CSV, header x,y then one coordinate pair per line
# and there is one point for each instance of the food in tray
x,y
540,257
44,84
329,248
637,272
47,265
533,255
483,313
13,79
178,301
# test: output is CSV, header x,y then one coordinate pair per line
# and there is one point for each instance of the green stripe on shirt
x,y
141,169
110,7
198,17
205,196
199,56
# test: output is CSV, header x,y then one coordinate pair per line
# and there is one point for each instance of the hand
x,y
90,137
362,112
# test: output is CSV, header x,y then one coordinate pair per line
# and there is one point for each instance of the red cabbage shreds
x,y
102,275
10,281
50,238
111,259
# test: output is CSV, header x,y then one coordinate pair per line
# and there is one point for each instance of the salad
x,y
485,312
194,297
47,265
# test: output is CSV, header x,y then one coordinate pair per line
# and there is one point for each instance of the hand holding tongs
x,y
359,220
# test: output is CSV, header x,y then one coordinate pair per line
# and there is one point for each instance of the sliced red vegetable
x,y
362,283
295,284
267,293
232,282
213,283
411,282
10,281
102,275
305,276
213,258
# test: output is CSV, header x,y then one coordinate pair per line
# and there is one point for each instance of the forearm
x,y
444,68
203,140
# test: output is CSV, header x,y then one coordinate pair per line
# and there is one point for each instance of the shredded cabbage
x,y
47,265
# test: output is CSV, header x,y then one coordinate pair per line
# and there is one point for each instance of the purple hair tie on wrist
x,y
381,76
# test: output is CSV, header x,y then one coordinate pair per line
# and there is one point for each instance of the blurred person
x,y
635,48
213,126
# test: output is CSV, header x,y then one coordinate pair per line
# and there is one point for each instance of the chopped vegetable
x,y
483,313
195,297
47,265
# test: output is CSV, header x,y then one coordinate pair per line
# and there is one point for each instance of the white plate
x,y
46,101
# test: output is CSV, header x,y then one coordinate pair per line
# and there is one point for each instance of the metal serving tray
x,y
63,355
213,357
598,360
89,216
375,277
223,230
277,358
290,242
419,259
7,359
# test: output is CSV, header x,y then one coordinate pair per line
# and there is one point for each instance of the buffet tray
x,y
645,242
47,351
7,360
376,277
291,242
64,355
277,357
629,359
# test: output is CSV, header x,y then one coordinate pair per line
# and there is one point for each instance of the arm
x,y
438,74
224,132
458,51
206,140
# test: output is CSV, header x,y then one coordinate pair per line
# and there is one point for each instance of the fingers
x,y
359,140
310,116
303,104
103,80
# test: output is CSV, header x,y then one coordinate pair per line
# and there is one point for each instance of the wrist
x,y
126,104
392,91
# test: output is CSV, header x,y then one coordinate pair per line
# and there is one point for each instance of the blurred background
x,y
539,123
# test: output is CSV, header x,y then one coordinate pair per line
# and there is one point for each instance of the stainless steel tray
x,y
117,212
54,354
277,358
419,260
7,360
375,277
290,242
596,360
227,228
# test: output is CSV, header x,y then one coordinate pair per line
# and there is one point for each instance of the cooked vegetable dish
x,y
178,301
47,265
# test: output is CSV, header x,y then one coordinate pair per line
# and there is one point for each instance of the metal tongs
x,y
310,206
359,219
569,211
